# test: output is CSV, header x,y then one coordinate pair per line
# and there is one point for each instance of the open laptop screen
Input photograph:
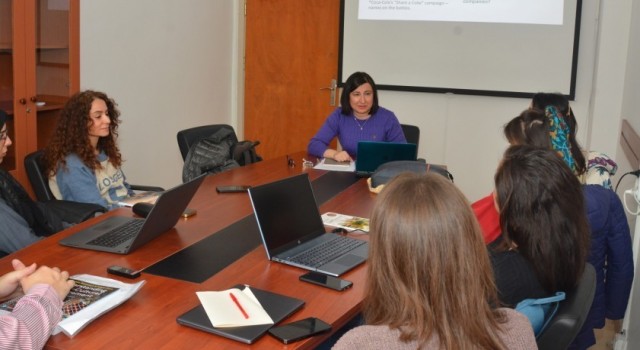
x,y
287,213
372,154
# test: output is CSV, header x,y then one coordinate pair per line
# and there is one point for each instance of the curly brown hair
x,y
72,134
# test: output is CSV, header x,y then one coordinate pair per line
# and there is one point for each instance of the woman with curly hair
x,y
82,158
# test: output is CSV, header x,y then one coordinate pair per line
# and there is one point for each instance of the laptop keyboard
x,y
118,235
327,251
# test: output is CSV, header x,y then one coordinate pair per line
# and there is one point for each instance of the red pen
x,y
233,297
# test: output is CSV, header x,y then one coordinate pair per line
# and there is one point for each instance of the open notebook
x,y
278,307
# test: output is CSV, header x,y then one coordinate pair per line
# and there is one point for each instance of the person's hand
x,y
57,279
342,156
9,282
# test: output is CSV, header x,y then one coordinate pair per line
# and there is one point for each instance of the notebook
x,y
164,215
278,306
292,231
372,154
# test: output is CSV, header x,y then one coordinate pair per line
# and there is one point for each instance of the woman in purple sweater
x,y
358,119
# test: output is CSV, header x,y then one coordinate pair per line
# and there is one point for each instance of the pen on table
x,y
244,313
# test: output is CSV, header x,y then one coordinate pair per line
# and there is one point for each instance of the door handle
x,y
332,88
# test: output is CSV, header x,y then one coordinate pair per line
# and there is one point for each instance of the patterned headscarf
x,y
559,134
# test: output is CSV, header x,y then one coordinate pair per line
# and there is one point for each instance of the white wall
x,y
629,110
465,132
169,64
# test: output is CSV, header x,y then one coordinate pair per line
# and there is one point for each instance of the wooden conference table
x,y
148,319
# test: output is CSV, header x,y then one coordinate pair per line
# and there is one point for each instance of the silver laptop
x,y
372,154
293,233
120,234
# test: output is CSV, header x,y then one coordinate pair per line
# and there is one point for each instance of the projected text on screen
x,y
489,11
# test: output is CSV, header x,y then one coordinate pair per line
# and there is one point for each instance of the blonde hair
x,y
429,272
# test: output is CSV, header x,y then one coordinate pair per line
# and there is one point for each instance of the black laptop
x,y
372,154
293,233
120,234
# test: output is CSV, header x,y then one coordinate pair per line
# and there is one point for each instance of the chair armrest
x,y
146,188
74,212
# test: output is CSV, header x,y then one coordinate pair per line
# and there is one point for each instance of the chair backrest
x,y
571,314
189,137
411,133
35,172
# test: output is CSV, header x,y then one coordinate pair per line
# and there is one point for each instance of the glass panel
x,y
6,75
52,64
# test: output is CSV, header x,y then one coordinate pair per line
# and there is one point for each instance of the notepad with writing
x,y
277,306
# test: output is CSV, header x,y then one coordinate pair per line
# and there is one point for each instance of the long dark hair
x,y
353,82
542,211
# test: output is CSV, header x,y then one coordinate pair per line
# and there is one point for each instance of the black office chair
x,y
571,314
411,133
69,211
244,154
189,137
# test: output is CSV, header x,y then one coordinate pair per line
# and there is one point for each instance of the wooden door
x,y
291,56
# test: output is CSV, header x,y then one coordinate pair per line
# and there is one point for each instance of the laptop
x,y
292,231
372,154
120,234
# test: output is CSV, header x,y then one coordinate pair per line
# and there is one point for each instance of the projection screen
x,y
478,47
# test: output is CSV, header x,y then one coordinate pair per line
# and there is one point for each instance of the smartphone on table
x,y
299,330
232,189
123,271
327,281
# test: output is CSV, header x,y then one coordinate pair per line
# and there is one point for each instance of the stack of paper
x,y
330,164
347,222
147,197
233,308
118,293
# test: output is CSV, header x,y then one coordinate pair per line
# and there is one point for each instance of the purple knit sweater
x,y
381,126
